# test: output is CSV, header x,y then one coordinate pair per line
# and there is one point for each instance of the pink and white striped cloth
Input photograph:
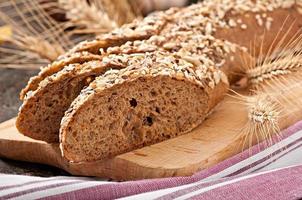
x,y
262,172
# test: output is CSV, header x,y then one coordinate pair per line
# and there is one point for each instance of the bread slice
x,y
79,57
157,97
41,112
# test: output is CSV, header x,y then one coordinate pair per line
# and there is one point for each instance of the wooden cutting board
x,y
217,139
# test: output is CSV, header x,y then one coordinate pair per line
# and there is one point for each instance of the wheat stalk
x,y
277,91
87,17
37,39
45,49
263,115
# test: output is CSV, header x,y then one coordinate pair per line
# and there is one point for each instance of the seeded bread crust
x,y
79,57
145,68
226,23
137,30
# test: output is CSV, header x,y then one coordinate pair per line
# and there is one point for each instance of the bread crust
x,y
137,30
56,66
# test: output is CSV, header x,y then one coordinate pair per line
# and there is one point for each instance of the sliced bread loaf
x,y
158,96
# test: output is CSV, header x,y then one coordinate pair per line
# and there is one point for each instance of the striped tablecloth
x,y
262,172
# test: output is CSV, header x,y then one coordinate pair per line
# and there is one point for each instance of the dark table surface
x,y
11,82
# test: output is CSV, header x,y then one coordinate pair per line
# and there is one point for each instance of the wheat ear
x,y
87,17
261,121
266,113
280,62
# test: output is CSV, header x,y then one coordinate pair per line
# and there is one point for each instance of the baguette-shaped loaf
x,y
158,96
199,34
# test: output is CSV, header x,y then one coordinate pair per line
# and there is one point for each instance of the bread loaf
x,y
133,119
158,96
216,37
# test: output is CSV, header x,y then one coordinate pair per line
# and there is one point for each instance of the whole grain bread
x,y
158,96
129,126
203,34
119,56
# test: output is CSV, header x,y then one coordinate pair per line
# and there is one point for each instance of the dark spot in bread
x,y
148,121
133,102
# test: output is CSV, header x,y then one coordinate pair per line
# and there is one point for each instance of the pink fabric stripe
x,y
111,191
23,192
179,193
284,184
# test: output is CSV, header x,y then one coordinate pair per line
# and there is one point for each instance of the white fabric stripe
x,y
203,190
225,172
10,180
271,159
292,158
31,186
60,190
47,183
